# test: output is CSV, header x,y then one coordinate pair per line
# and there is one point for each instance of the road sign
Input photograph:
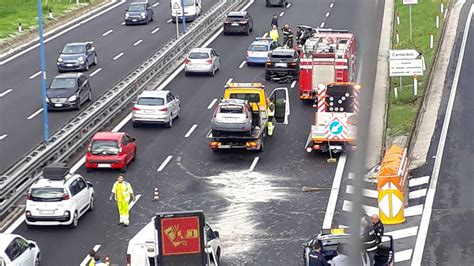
x,y
176,6
404,54
335,127
406,67
410,2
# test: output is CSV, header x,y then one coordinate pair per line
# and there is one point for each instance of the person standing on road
x,y
98,261
274,21
341,259
378,227
369,240
91,256
122,192
274,35
315,256
286,33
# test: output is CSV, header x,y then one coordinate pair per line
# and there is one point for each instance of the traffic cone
x,y
107,260
156,194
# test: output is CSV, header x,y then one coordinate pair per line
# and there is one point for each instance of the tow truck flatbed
x,y
235,141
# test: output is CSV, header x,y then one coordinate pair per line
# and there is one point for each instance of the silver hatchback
x,y
156,107
202,60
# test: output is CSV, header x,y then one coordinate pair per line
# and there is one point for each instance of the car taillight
x,y
66,195
136,109
227,22
129,260
247,53
209,61
269,63
164,109
187,61
28,196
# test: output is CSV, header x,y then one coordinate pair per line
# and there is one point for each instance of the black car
x,y
281,3
77,56
138,13
68,91
282,65
238,22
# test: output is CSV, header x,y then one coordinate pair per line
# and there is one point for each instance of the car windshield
x,y
106,147
198,55
250,97
74,49
187,2
231,109
136,8
63,83
151,101
235,17
47,194
258,48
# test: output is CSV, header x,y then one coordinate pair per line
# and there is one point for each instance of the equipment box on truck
x,y
175,238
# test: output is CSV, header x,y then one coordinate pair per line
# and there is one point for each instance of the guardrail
x,y
77,132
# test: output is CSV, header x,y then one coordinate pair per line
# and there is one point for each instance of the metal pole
x,y
183,17
177,26
410,24
43,73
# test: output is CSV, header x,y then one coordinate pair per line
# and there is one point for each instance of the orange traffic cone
x,y
156,195
107,260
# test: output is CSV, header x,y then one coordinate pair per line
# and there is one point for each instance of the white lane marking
x,y
322,24
265,35
156,4
95,72
413,182
369,210
169,20
366,179
75,23
212,104
413,210
417,193
155,30
123,23
402,233
5,93
35,114
137,197
190,131
2,137
229,81
336,184
425,218
254,163
87,258
137,42
366,192
331,5
78,165
288,6
35,75
327,14
107,33
163,165
403,255
293,84
118,56
242,64
282,13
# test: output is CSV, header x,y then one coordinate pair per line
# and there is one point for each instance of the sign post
x,y
176,7
406,63
409,3
184,18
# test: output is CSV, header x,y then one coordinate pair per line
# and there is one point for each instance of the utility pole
x,y
43,73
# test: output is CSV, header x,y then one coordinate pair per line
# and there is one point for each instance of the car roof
x,y
237,13
68,75
154,93
200,50
5,240
108,136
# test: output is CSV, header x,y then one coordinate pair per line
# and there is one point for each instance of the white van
x,y
192,9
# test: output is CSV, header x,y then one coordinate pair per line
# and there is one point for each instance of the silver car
x,y
202,60
156,107
232,116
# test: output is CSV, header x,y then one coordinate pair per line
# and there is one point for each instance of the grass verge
x,y
402,111
13,12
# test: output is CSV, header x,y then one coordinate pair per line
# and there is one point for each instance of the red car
x,y
111,150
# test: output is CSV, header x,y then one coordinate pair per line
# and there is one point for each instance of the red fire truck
x,y
327,56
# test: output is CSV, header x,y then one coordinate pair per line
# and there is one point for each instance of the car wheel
x,y
91,204
38,260
86,67
135,124
89,96
178,115
249,64
186,73
247,32
75,220
218,256
267,75
151,19
213,72
78,103
88,169
95,60
134,155
226,33
170,122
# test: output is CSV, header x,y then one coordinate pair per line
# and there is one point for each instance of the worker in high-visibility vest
x,y
271,114
122,192
274,35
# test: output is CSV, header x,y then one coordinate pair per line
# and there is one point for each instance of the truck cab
x,y
192,9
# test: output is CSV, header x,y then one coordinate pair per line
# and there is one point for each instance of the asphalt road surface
x,y
20,117
262,215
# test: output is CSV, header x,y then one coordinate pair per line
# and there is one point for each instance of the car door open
x,y
279,97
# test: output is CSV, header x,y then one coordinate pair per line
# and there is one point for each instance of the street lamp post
x,y
43,72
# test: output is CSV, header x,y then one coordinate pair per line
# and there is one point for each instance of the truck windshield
x,y
106,147
250,97
47,194
187,2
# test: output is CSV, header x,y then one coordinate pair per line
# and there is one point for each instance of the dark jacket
x,y
378,228
369,238
316,259
274,22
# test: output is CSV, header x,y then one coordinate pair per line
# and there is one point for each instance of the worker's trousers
x,y
123,211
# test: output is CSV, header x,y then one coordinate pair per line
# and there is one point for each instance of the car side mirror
x,y
31,245
59,52
89,184
133,139
216,233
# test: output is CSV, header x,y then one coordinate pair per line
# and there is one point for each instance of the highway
x,y
253,199
449,238
20,109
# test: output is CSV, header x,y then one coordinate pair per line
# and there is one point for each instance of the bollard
x,y
20,28
397,36
156,194
437,21
50,15
395,90
431,40
442,7
398,18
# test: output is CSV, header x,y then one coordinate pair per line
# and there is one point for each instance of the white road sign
x,y
404,54
410,2
176,6
405,68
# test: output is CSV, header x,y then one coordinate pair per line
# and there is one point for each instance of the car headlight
x,y
143,14
80,58
127,15
60,59
72,98
47,100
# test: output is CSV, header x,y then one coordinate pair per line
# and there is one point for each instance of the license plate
x,y
46,212
104,165
224,146
336,147
149,111
134,20
235,24
281,65
69,65
58,104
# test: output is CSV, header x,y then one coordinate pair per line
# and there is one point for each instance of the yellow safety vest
x,y
274,35
122,191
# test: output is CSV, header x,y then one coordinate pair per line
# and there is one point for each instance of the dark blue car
x,y
138,13
77,56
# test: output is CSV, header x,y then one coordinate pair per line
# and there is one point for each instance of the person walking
x,y
315,256
274,21
122,193
274,35
378,227
286,33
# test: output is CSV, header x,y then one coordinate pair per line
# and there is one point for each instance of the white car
x,y
16,250
202,60
156,107
58,198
